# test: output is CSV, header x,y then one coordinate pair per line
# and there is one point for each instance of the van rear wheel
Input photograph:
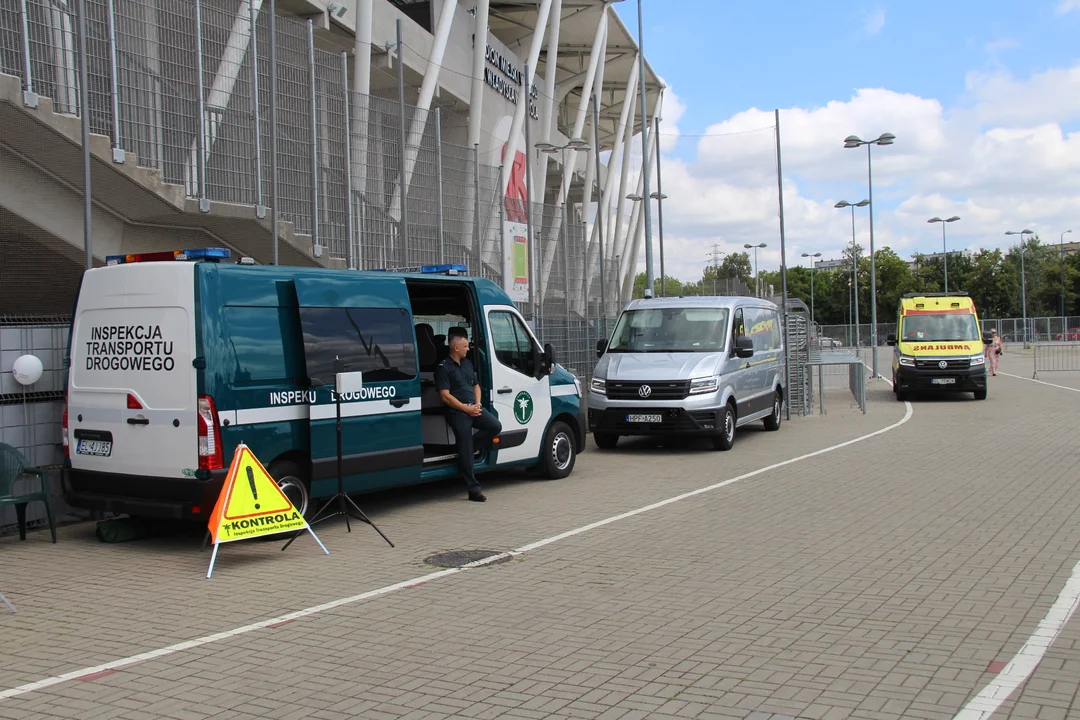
x,y
292,480
773,421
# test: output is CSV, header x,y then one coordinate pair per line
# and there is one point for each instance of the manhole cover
x,y
459,558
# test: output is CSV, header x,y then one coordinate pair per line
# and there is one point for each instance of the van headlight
x,y
907,360
598,386
704,385
979,359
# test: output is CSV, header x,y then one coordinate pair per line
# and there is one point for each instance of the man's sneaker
x,y
477,497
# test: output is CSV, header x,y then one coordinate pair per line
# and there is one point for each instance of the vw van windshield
x,y
939,327
671,330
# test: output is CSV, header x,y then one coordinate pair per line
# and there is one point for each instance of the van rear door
x,y
132,406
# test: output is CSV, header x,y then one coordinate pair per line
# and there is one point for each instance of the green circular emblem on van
x,y
523,408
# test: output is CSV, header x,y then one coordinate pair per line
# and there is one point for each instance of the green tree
x,y
990,284
737,265
672,286
894,279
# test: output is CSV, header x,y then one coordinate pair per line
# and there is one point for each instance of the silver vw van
x,y
689,366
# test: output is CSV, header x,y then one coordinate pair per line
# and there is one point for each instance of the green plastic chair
x,y
12,467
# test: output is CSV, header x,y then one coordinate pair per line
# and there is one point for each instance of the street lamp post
x,y
757,275
855,273
944,250
815,255
853,141
1061,259
577,145
1023,279
659,197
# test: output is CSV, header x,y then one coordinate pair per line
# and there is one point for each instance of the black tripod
x,y
340,503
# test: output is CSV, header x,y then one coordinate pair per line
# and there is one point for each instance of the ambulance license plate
x,y
943,381
100,448
644,418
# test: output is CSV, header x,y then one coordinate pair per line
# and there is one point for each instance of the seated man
x,y
459,388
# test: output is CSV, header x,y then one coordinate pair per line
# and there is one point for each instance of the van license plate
x,y
100,448
943,381
644,418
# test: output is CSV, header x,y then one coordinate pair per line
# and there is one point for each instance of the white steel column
x,y
476,95
599,47
232,62
592,172
519,110
427,94
639,234
361,107
624,133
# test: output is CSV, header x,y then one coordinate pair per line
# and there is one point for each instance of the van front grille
x,y
648,389
960,364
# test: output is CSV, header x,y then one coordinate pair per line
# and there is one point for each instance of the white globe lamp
x,y
27,369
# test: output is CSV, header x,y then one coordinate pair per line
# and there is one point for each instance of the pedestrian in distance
x,y
459,388
993,351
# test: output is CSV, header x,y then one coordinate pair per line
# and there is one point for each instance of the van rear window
x,y
378,342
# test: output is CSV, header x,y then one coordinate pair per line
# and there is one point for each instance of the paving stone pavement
x,y
879,580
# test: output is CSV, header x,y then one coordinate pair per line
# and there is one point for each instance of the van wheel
x,y
900,396
980,394
605,441
726,438
557,453
773,421
292,480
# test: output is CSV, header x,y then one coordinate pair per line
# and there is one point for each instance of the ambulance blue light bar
x,y
445,269
212,254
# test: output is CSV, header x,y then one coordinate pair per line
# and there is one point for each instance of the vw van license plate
x,y
100,448
644,418
943,381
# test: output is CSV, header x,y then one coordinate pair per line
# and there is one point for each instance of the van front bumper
x,y
673,421
169,498
909,379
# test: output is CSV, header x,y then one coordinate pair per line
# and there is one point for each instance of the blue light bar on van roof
x,y
445,269
212,254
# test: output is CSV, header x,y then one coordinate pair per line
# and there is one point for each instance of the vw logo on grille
x,y
644,391
943,364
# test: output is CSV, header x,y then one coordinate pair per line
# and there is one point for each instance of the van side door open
x,y
349,325
521,391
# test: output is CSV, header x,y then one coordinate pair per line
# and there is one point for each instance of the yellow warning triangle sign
x,y
251,503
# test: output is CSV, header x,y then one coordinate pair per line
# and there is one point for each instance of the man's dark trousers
x,y
487,426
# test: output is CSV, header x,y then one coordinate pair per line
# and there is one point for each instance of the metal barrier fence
x,y
1056,358
836,370
1040,329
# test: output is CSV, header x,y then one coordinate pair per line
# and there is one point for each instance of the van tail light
x,y
210,453
133,403
64,431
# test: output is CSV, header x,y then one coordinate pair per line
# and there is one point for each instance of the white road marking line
x,y
1029,656
243,630
1021,377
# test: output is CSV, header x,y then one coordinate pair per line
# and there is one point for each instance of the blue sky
x,y
971,89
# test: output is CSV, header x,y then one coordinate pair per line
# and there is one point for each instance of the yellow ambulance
x,y
938,346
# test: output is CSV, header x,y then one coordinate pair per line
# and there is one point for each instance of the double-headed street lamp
x,y
855,271
853,141
1023,278
757,277
815,255
659,197
576,145
944,250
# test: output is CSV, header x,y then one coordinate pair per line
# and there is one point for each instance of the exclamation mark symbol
x,y
251,482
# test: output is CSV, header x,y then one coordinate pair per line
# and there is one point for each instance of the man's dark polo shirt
x,y
458,379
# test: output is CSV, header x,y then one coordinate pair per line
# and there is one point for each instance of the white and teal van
x,y
175,358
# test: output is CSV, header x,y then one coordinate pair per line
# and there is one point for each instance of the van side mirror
x,y
549,359
744,347
601,347
890,339
988,338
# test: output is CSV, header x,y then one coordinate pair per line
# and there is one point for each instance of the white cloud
x,y
874,20
1067,6
992,48
1000,160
